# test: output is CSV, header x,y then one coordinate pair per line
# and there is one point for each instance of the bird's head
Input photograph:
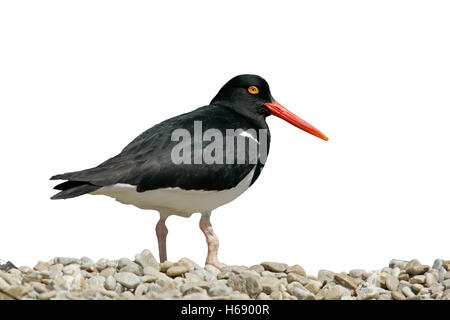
x,y
250,95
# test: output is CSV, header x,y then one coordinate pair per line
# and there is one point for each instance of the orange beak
x,y
281,112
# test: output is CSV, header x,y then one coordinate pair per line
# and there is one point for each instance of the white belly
x,y
175,200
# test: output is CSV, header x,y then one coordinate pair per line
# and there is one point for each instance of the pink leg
x,y
211,240
161,234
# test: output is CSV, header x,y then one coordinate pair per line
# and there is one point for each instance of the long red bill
x,y
281,112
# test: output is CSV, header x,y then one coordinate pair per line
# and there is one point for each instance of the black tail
x,y
72,189
118,169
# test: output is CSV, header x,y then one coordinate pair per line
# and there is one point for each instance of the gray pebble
x,y
133,268
332,291
274,266
300,292
401,264
367,294
395,272
141,289
110,283
295,277
438,264
127,279
146,259
86,262
408,292
219,290
96,281
325,275
357,273
392,283
154,287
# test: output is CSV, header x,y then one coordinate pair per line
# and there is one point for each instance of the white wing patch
x,y
248,135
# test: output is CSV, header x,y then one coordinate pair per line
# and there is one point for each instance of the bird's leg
x,y
211,240
161,234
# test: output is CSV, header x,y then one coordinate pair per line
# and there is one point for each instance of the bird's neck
x,y
258,121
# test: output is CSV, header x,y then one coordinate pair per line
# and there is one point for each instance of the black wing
x,y
146,162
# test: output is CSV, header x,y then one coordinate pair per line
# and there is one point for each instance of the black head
x,y
249,95
246,93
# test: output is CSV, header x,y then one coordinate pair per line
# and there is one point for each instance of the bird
x,y
171,168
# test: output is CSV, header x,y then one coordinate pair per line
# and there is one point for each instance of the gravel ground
x,y
145,278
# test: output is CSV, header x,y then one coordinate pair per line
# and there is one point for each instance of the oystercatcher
x,y
172,167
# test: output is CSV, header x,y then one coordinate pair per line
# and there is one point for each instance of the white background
x,y
80,79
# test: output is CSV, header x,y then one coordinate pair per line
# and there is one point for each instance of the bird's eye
x,y
253,90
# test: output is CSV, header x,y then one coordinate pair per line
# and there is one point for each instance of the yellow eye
x,y
253,90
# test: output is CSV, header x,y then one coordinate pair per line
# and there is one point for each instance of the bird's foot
x,y
216,264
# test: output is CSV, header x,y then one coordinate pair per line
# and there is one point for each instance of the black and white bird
x,y
148,172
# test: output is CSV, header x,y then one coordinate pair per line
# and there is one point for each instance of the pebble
x,y
313,286
416,288
368,293
86,262
295,277
47,295
97,281
219,290
56,271
357,273
401,264
385,296
408,292
270,284
257,267
70,269
164,266
177,270
252,282
396,295
346,281
146,259
403,276
3,284
141,289
133,268
392,283
41,266
414,267
127,279
238,269
212,269
417,279
325,275
395,272
263,296
274,266
335,292
297,269
18,291
437,264
302,294
248,282
108,272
